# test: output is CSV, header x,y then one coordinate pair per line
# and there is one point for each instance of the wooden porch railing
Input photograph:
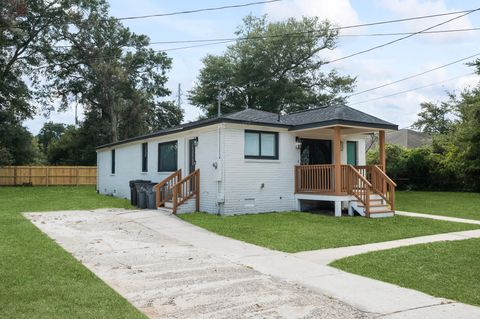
x,y
359,181
185,189
314,178
164,188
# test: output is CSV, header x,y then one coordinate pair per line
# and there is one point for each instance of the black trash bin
x,y
133,191
141,194
151,196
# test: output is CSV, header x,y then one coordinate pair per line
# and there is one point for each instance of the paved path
x,y
439,217
166,267
326,256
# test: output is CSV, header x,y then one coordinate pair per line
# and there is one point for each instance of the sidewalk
x,y
439,217
326,256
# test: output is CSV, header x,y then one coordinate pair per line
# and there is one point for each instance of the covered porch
x,y
332,168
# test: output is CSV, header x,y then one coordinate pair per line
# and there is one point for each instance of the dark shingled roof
x,y
318,117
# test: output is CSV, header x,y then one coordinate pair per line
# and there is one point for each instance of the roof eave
x,y
383,126
184,129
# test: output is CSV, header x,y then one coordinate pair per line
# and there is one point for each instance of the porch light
x,y
195,141
298,143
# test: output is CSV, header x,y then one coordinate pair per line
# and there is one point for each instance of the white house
x,y
254,161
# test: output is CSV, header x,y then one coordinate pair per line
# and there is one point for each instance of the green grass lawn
x,y
296,231
454,204
446,269
38,279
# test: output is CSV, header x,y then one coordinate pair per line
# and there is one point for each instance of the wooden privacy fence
x,y
48,175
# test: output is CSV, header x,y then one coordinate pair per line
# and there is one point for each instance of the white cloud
x,y
413,8
338,11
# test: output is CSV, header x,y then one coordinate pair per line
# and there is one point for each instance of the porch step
x,y
165,210
383,214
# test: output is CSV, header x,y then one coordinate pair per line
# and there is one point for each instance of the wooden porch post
x,y
337,159
381,143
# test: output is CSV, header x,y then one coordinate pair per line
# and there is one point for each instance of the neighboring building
x,y
254,161
408,138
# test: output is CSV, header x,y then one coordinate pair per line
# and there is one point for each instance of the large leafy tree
x,y
49,133
434,118
275,66
28,31
113,73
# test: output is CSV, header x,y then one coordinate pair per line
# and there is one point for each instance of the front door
x,y
316,152
191,156
351,153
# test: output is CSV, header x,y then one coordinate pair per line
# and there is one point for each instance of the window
x,y
113,162
261,145
144,157
167,157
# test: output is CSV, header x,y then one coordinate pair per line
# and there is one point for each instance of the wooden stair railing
x,y
383,185
185,189
163,189
359,186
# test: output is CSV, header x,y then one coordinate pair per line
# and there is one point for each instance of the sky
x,y
404,58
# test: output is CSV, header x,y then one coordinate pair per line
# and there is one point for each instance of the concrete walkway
x,y
326,256
439,217
173,240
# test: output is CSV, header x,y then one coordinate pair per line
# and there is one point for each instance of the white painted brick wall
x,y
129,165
240,179
244,177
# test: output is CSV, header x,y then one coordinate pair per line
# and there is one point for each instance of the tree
x,y
467,137
50,132
276,66
113,73
16,146
433,119
28,30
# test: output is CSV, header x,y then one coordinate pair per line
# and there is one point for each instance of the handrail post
x,y
367,201
174,199
197,191
296,168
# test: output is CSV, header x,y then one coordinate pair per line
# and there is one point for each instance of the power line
x,y
405,33
402,38
415,75
302,33
410,90
234,6
197,10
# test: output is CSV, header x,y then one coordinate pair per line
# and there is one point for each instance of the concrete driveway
x,y
138,254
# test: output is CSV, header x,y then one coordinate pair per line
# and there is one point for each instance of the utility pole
x,y
76,107
179,95
219,100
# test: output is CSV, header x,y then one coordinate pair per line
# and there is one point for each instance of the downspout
x,y
221,172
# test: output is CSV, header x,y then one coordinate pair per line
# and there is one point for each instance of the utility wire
x,y
296,34
414,76
402,38
410,90
405,33
197,10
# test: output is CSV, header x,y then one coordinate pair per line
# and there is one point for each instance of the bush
x,y
419,168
